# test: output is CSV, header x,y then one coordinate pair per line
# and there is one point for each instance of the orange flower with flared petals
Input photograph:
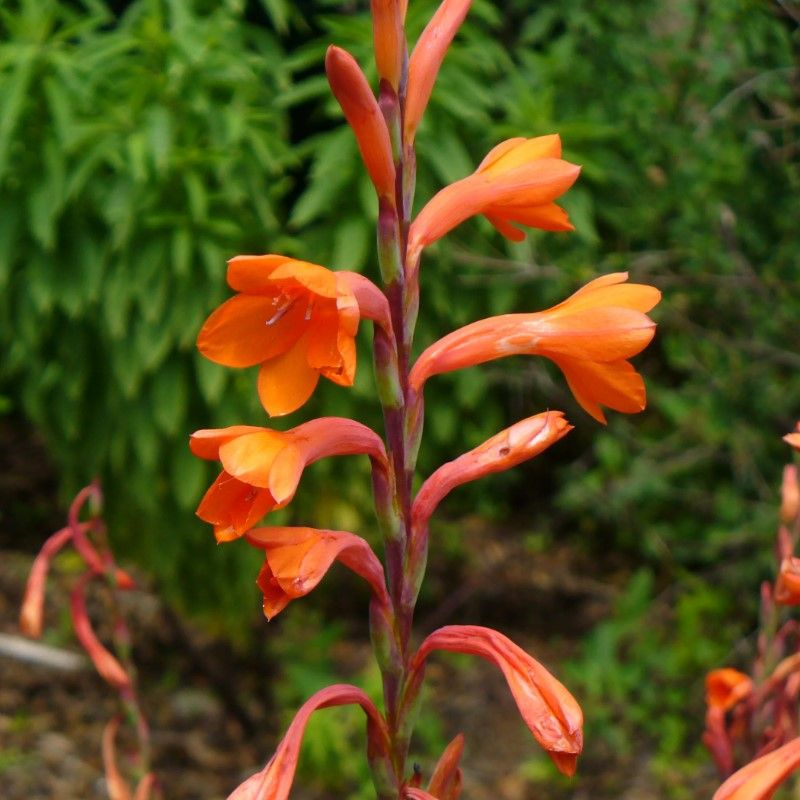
x,y
297,320
296,560
760,778
726,687
589,336
262,467
551,713
517,182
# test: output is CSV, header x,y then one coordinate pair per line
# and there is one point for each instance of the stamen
x,y
309,308
280,312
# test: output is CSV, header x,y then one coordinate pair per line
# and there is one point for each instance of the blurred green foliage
x,y
141,148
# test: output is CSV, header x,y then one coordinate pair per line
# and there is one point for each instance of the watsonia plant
x,y
297,321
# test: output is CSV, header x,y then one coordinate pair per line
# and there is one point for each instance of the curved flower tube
x,y
507,449
445,782
793,438
275,781
262,467
726,687
517,182
296,319
589,336
760,778
296,560
361,110
551,713
423,66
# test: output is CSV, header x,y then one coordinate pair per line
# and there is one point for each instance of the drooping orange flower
x,y
361,110
589,336
760,779
726,687
297,320
787,587
522,441
262,467
274,782
517,182
423,66
296,560
551,713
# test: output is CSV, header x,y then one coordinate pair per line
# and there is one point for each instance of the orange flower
x,y
297,320
445,782
589,336
262,467
726,687
549,710
423,66
296,560
361,110
387,29
787,587
274,782
520,442
517,182
790,494
760,778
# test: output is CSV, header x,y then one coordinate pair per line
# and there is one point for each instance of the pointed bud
x,y
787,587
445,783
551,713
361,110
760,778
423,66
389,40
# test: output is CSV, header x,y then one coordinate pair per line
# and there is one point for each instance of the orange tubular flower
x,y
262,467
790,494
423,66
517,182
298,558
787,587
726,687
520,442
549,710
297,320
361,110
275,781
387,30
760,778
589,336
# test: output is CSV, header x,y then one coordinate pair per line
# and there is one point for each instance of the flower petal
x,y
286,382
249,458
250,274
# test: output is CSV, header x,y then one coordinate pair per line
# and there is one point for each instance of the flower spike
x,y
361,110
423,66
262,467
296,560
275,781
549,710
517,182
589,336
